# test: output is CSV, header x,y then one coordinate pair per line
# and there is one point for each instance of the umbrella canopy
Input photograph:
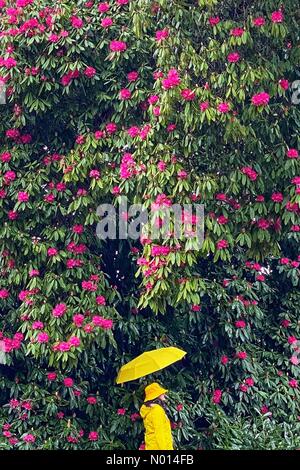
x,y
149,362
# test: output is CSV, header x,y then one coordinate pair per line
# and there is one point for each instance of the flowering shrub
x,y
163,102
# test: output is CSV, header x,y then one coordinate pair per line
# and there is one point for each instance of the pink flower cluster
x,y
128,166
118,46
217,396
159,250
65,346
8,345
260,99
59,310
172,80
248,171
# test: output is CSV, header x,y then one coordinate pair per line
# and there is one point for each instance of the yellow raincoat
x,y
158,435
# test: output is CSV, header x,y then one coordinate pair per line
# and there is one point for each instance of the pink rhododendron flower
x,y
171,127
42,337
95,174
99,135
217,396
52,251
91,400
249,381
284,84
4,293
93,436
248,171
29,438
118,46
100,300
214,20
222,220
34,273
264,409
74,341
237,32
263,224
233,57
292,153
187,94
293,383
292,339
153,99
59,310
223,108
103,7
204,106
63,346
224,360
89,286
241,355
133,131
162,34
78,229
172,80
196,308
68,382
259,21
222,244
90,72
23,196
76,22
277,16
125,94
240,324
5,157
134,417
132,76
37,325
260,99
161,165
51,376
9,176
27,405
12,215
106,22
121,411
277,197
14,403
182,174
78,320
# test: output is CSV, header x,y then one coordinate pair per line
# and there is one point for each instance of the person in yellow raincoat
x,y
158,434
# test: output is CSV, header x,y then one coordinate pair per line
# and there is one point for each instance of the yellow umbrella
x,y
149,362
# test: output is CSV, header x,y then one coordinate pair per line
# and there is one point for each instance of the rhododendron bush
x,y
164,102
